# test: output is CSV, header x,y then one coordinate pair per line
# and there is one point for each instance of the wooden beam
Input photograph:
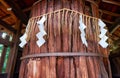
x,y
93,2
7,26
117,42
13,52
4,7
115,29
107,21
111,2
27,9
6,16
116,35
17,11
115,26
116,54
109,13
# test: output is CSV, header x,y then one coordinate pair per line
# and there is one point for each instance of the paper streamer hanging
x,y
23,40
24,37
42,32
102,36
82,28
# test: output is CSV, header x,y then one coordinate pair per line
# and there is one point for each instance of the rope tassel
x,y
82,27
42,32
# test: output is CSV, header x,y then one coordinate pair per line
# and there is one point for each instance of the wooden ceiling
x,y
109,13
7,18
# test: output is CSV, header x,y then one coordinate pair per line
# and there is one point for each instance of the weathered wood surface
x,y
63,35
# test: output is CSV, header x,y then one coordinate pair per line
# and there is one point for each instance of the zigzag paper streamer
x,y
102,36
24,37
82,27
42,32
23,40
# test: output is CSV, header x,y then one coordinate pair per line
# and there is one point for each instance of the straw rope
x,y
31,22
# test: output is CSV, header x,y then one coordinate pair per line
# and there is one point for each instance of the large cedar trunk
x,y
63,35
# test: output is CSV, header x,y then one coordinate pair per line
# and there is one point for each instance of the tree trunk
x,y
63,35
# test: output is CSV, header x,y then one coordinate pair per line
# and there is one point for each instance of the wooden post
x,y
2,58
13,52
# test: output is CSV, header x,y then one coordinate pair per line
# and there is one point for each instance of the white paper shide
x,y
102,36
24,37
82,28
42,32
